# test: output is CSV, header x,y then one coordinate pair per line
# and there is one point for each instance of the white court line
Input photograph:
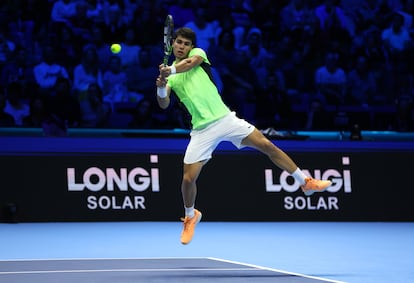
x,y
251,267
125,270
276,270
98,259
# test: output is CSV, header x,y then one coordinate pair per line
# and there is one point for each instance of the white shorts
x,y
203,142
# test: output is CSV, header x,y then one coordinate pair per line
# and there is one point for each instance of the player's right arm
x,y
181,66
163,92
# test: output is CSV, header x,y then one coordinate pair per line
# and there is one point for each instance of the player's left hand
x,y
161,81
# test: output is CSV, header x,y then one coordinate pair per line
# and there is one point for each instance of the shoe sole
x,y
311,192
198,221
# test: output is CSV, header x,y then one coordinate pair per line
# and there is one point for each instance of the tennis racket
x,y
168,37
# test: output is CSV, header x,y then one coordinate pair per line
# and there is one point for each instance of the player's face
x,y
182,47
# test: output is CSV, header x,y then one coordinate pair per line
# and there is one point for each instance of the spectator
x,y
203,28
370,13
361,84
242,17
298,76
266,16
330,80
62,109
6,48
148,22
396,37
68,47
406,11
240,84
80,23
48,70
283,49
21,23
224,50
398,46
332,22
129,48
114,22
102,47
140,75
143,117
95,11
330,16
19,70
226,24
129,9
6,120
63,11
15,106
95,113
296,16
115,83
37,116
318,118
257,55
273,106
271,66
87,71
182,12
371,47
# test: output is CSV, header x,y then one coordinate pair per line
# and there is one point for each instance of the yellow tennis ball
x,y
116,48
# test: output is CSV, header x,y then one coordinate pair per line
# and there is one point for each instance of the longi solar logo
x,y
341,180
109,180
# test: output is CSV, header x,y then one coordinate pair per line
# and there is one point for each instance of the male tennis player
x,y
212,122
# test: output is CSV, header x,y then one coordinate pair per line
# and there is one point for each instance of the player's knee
x,y
188,179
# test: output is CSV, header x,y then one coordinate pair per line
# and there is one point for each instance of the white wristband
x,y
173,69
162,92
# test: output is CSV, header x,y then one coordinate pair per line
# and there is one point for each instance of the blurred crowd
x,y
288,64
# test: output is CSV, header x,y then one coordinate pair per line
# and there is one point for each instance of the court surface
x,y
143,270
119,252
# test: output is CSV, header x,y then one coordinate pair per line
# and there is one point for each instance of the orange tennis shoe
x,y
313,185
189,227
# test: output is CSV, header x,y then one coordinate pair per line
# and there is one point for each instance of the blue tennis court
x,y
118,252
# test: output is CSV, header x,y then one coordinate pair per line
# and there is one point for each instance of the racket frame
x,y
168,38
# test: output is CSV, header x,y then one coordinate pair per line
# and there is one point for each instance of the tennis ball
x,y
116,48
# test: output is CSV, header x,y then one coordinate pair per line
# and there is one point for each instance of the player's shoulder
x,y
197,51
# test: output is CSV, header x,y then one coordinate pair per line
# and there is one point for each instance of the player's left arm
x,y
182,66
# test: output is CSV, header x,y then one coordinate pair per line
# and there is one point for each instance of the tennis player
x,y
212,122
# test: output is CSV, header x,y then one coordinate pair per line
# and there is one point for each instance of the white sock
x,y
299,176
189,211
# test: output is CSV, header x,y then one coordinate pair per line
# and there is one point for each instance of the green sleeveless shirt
x,y
198,94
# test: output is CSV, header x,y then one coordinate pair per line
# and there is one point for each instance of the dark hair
x,y
187,33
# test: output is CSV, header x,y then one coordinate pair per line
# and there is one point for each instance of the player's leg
x,y
258,141
189,193
198,152
188,185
